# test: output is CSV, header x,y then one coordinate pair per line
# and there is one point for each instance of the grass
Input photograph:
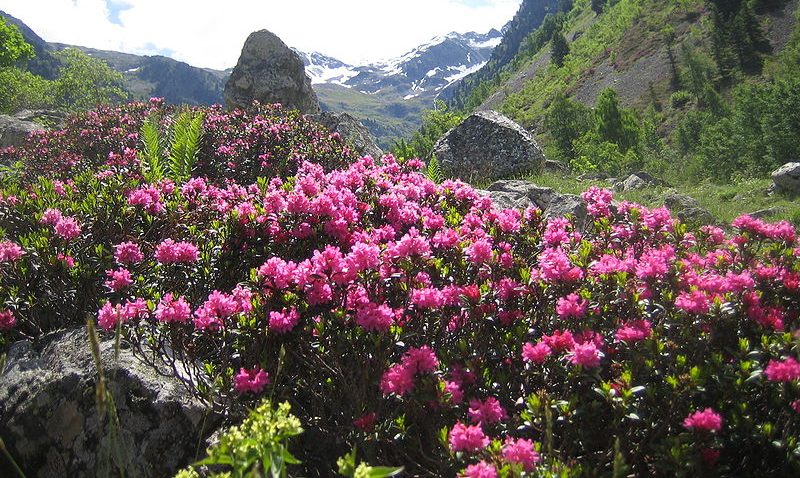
x,y
724,201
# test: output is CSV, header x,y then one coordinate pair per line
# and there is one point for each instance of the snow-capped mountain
x,y
423,73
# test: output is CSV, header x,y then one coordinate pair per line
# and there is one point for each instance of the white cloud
x,y
210,33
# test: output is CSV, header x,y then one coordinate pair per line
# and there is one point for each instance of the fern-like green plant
x,y
186,135
151,157
434,170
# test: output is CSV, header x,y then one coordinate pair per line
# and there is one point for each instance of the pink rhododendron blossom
x,y
399,379
250,381
468,438
128,253
170,309
148,198
572,306
655,263
479,470
421,360
536,353
118,279
703,420
110,315
283,321
7,319
598,201
487,412
366,422
559,341
375,318
10,252
556,266
787,370
695,302
520,451
68,227
170,252
586,355
479,252
634,331
51,217
454,390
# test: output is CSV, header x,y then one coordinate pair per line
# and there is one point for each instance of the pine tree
x,y
559,48
612,123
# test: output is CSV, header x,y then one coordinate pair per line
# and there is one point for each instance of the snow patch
x,y
490,43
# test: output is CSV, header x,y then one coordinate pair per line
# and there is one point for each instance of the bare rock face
x,y
268,71
14,130
351,130
488,145
51,426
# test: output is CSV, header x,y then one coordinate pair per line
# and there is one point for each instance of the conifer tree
x,y
559,48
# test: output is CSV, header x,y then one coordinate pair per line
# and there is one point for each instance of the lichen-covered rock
x,y
787,178
50,422
488,145
351,130
14,130
268,71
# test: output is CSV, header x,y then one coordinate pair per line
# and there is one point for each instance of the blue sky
x,y
210,33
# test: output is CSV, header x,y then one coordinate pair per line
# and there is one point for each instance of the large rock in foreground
x,y
488,145
14,130
787,178
50,423
268,71
514,193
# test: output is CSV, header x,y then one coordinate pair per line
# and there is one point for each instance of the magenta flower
x,y
586,355
170,252
787,370
7,320
421,360
571,306
468,438
118,279
454,390
375,318
10,252
51,217
479,470
110,315
170,309
522,452
695,302
634,331
68,227
703,420
399,379
128,253
487,412
250,381
283,321
536,353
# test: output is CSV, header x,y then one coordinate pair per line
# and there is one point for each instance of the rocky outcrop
x,y
14,130
520,194
351,130
268,71
688,209
637,181
787,178
488,145
50,423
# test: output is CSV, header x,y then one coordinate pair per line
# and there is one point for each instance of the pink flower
x,y
479,470
586,355
598,201
7,320
50,217
536,353
421,360
571,306
469,438
250,381
399,379
10,252
555,266
118,279
128,253
520,451
703,420
479,252
365,422
169,252
172,310
695,302
454,390
786,371
486,412
375,318
634,331
284,321
110,315
68,227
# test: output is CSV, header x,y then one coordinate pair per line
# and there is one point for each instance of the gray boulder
x,y
688,209
538,195
567,204
351,130
516,193
14,130
787,178
50,423
637,181
508,200
268,71
488,145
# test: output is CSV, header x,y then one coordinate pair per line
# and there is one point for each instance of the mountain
x,y
423,72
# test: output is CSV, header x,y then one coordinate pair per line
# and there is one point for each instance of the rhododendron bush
x,y
410,318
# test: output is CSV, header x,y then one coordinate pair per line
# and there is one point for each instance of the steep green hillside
x,y
684,89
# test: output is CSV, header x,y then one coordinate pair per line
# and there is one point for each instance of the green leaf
x,y
385,471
